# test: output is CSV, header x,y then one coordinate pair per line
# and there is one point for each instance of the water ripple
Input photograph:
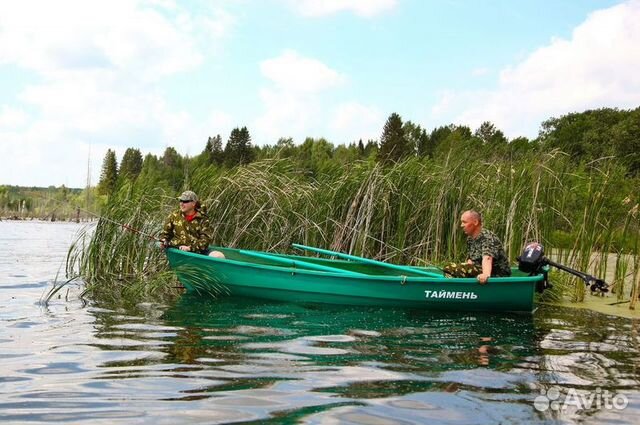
x,y
199,360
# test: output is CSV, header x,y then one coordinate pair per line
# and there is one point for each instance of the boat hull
x,y
295,284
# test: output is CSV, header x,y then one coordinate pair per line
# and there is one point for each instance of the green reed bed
x,y
112,258
403,213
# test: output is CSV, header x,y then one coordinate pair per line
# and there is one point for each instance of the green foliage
x,y
172,167
213,152
49,203
417,138
115,261
131,164
238,150
596,133
490,135
285,148
371,149
519,147
398,210
109,174
438,135
455,139
346,154
625,136
394,144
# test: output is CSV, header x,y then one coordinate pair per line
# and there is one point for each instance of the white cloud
x,y
596,67
293,73
42,155
292,103
220,122
64,36
480,72
220,24
354,121
364,8
12,117
286,115
98,66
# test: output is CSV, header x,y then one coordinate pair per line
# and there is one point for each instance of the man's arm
x,y
167,232
487,266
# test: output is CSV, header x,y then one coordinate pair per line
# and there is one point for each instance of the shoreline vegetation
x,y
47,204
397,199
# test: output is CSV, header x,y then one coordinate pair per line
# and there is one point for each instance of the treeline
x,y
595,134
50,203
399,141
585,136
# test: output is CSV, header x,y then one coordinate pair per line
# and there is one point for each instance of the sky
x,y
80,77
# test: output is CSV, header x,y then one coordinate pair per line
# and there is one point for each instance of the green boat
x,y
295,278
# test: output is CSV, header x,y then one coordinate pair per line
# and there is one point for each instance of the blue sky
x,y
78,77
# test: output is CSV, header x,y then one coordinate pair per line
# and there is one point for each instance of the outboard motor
x,y
533,261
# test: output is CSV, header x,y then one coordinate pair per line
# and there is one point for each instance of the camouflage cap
x,y
188,195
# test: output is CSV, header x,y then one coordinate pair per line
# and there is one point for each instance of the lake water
x,y
253,362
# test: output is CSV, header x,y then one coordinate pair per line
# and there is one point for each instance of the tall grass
x,y
405,213
113,259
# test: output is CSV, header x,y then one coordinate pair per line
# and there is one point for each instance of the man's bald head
x,y
471,223
473,215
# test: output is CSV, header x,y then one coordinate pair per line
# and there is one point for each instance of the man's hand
x,y
185,248
483,278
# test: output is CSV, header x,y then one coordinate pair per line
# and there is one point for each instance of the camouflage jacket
x,y
487,243
195,233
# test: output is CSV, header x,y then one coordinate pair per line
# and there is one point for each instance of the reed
x,y
634,215
109,257
403,213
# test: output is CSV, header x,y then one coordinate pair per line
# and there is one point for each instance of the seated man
x,y
187,229
486,256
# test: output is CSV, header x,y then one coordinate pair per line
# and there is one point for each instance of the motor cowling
x,y
532,259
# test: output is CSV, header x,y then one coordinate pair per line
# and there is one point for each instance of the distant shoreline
x,y
49,219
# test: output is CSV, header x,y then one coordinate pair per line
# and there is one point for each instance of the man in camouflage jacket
x,y
187,229
486,256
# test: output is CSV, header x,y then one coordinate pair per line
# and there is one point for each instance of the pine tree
x,y
361,152
247,153
171,158
173,168
150,169
109,175
394,146
213,152
425,145
238,150
131,164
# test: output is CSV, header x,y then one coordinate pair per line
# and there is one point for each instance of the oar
x,y
405,269
293,263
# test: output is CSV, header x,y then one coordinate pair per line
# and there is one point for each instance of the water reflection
x,y
402,340
281,362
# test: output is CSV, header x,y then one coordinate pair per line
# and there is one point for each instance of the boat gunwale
x,y
385,278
